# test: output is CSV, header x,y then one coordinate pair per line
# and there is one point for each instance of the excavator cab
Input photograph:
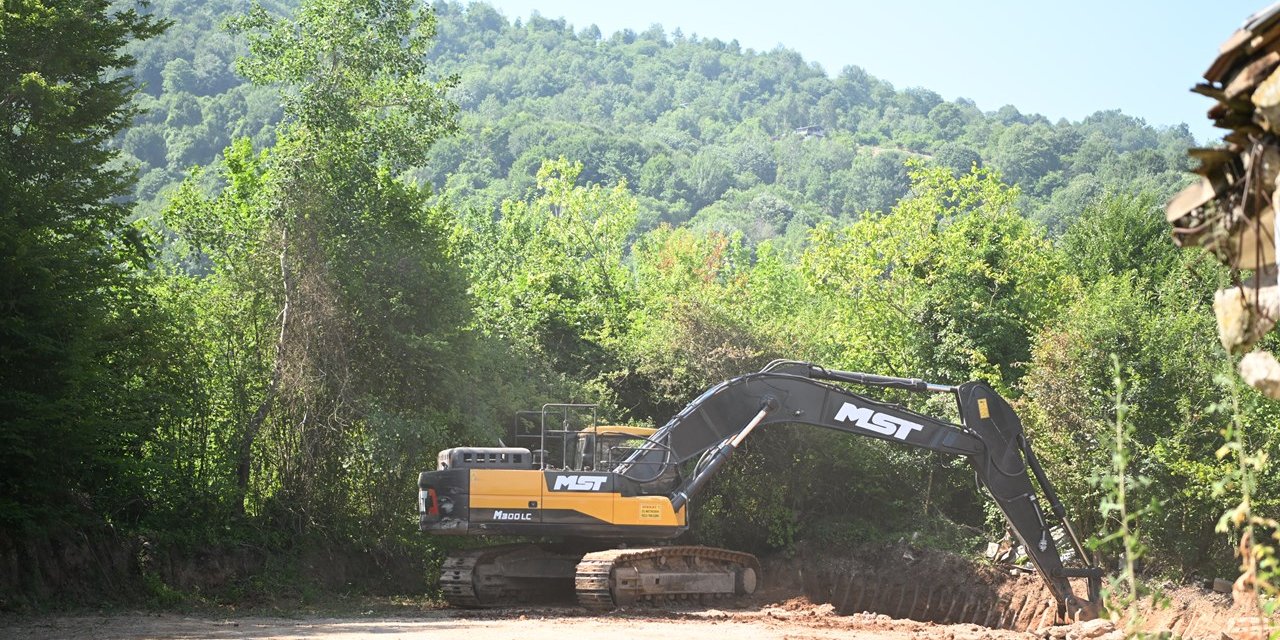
x,y
551,433
601,448
569,437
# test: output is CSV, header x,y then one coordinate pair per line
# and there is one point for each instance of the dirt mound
x,y
1190,612
917,584
904,584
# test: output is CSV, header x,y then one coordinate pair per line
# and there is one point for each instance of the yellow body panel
x,y
597,505
646,510
515,489
500,502
605,430
506,482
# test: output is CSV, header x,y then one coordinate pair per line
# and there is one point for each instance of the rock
x,y
1266,99
1221,586
1261,371
1090,629
1232,311
1246,313
1247,628
974,633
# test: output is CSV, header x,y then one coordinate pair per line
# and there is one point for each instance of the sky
x,y
1059,59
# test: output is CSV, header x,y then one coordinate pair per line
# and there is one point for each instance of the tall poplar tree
x,y
351,265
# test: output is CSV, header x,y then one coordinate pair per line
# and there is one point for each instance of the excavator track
x,y
610,579
507,574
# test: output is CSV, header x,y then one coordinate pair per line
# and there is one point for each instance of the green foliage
x,y
689,121
356,75
1257,589
77,320
1152,314
194,104
1118,234
548,274
691,326
232,308
951,284
1123,516
340,279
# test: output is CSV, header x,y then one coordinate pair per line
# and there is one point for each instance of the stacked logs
x,y
1230,211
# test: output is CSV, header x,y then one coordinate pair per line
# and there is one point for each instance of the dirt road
x,y
953,590
768,623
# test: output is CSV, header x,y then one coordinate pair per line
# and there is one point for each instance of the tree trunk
x,y
245,461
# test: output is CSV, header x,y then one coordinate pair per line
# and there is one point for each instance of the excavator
x,y
614,496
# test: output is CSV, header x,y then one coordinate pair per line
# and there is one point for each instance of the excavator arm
x,y
990,436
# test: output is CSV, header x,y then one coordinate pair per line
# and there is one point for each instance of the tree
x,y
73,304
688,330
548,274
1121,233
359,76
875,182
951,284
1025,154
957,157
1070,203
949,118
1159,329
365,300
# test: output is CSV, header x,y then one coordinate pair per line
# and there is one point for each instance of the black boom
x,y
990,436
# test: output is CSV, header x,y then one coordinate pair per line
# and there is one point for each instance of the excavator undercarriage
x,y
508,574
614,495
605,580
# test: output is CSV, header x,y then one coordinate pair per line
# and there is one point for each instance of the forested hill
x,y
705,131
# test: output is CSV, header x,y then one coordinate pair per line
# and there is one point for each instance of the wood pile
x,y
1230,211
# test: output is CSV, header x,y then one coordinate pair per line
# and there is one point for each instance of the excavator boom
x,y
990,437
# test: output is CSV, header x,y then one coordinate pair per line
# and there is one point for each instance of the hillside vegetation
x,y
380,233
705,133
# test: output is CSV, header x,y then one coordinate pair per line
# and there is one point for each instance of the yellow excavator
x,y
613,495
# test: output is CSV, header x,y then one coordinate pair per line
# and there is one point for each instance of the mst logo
x,y
878,422
578,483
499,514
